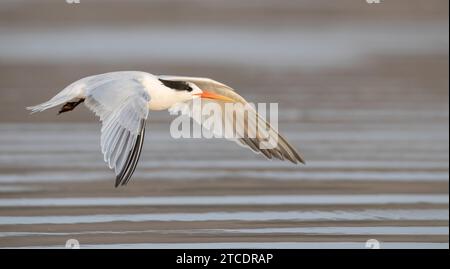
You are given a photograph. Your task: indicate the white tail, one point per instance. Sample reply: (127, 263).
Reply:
(74, 90)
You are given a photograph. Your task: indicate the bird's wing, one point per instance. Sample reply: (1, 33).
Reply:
(264, 131)
(205, 84)
(122, 105)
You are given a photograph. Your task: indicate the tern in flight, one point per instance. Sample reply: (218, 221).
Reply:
(122, 100)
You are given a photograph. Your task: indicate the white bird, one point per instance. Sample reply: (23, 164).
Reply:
(122, 101)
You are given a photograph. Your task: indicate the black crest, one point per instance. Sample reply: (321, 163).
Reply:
(176, 85)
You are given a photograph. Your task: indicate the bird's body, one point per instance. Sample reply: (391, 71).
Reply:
(122, 100)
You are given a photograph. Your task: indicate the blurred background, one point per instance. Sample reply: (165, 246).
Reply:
(362, 91)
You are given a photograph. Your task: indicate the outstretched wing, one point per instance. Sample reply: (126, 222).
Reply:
(121, 102)
(253, 121)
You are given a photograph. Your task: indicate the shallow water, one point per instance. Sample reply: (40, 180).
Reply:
(229, 200)
(236, 216)
(269, 245)
(362, 92)
(290, 47)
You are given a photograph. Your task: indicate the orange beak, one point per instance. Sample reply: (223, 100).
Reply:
(210, 95)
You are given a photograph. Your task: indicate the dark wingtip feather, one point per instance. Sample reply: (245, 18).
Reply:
(124, 176)
(302, 161)
(118, 180)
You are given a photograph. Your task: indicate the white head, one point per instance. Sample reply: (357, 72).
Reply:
(177, 90)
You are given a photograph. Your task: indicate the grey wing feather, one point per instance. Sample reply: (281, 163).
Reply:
(283, 150)
(122, 105)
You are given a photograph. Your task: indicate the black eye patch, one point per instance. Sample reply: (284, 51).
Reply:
(176, 85)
